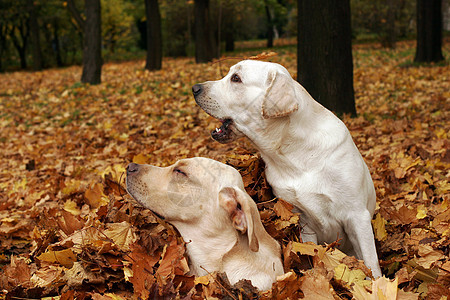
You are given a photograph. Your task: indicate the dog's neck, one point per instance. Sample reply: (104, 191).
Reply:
(206, 247)
(306, 131)
(228, 251)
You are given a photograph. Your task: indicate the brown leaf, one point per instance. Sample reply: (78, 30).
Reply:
(122, 234)
(283, 209)
(173, 260)
(286, 287)
(428, 256)
(79, 275)
(406, 215)
(94, 196)
(17, 273)
(142, 264)
(316, 284)
(263, 55)
(69, 223)
(437, 291)
(48, 277)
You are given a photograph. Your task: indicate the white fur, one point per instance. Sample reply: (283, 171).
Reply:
(311, 160)
(217, 219)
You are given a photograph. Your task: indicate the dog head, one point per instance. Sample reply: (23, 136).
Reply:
(250, 94)
(197, 192)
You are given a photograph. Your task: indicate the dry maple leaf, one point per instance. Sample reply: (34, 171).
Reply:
(263, 55)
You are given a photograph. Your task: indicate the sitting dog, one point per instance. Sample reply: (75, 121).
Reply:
(206, 201)
(311, 160)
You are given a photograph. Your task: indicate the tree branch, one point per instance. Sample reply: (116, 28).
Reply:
(76, 14)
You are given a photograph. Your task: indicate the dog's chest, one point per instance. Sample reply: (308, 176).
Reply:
(305, 193)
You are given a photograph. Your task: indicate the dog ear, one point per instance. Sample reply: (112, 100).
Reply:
(279, 100)
(238, 205)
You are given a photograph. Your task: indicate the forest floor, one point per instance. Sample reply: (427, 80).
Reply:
(69, 230)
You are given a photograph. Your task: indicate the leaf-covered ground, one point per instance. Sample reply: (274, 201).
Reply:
(68, 229)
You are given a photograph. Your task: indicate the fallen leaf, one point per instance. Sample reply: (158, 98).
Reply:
(65, 257)
(379, 227)
(94, 196)
(122, 234)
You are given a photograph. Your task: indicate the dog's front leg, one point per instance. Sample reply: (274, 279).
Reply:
(359, 231)
(306, 233)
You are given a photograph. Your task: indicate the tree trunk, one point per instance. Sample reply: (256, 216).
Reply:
(205, 46)
(75, 14)
(35, 39)
(389, 36)
(92, 53)
(269, 26)
(154, 37)
(21, 46)
(325, 66)
(228, 26)
(3, 35)
(55, 44)
(229, 41)
(429, 31)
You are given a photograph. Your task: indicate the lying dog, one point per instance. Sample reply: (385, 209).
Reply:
(310, 156)
(206, 201)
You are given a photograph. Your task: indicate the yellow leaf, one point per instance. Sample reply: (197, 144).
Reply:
(64, 257)
(360, 293)
(71, 187)
(128, 273)
(441, 133)
(123, 137)
(140, 159)
(116, 171)
(114, 296)
(18, 185)
(71, 206)
(202, 280)
(379, 227)
(333, 258)
(384, 289)
(308, 249)
(342, 272)
(107, 125)
(421, 211)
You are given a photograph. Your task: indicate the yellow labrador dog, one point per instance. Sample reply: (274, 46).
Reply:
(311, 160)
(206, 201)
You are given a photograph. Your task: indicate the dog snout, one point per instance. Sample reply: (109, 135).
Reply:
(132, 169)
(197, 89)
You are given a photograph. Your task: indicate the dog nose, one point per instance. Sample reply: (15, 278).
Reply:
(196, 89)
(132, 168)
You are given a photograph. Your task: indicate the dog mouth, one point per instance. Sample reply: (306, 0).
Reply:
(224, 133)
(140, 203)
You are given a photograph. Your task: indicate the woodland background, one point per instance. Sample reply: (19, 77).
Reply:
(68, 228)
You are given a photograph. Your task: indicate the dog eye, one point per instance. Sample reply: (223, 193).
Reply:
(178, 171)
(236, 78)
